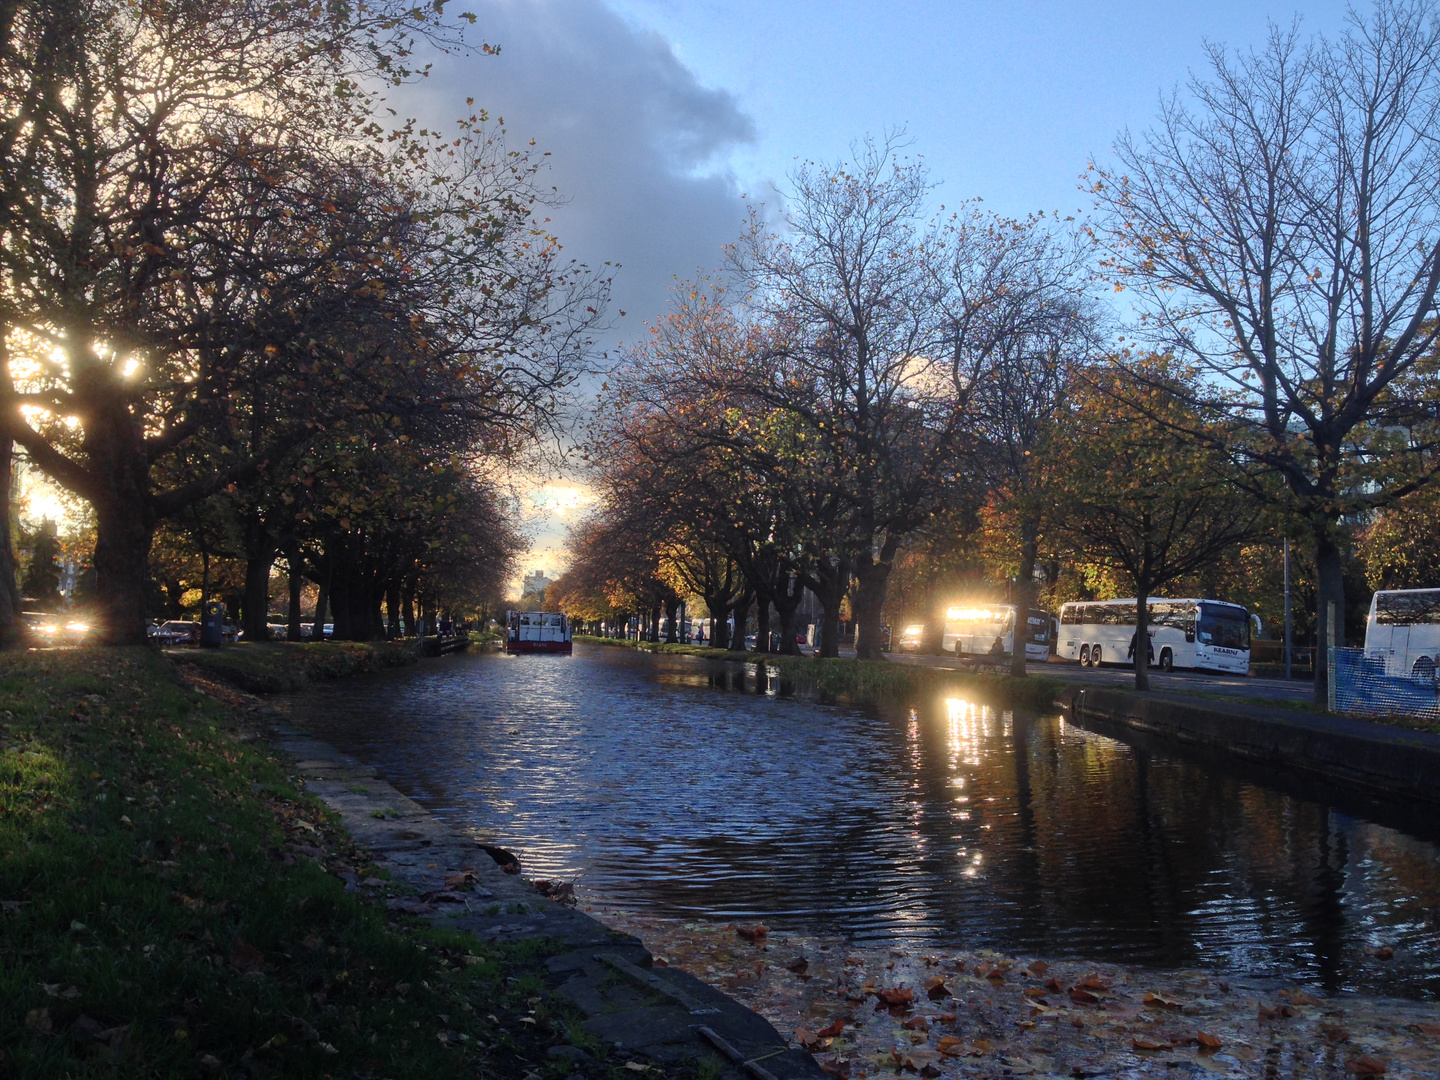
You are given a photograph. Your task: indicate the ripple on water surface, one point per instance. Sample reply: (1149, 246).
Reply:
(682, 787)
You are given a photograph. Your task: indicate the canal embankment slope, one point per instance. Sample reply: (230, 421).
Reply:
(1396, 762)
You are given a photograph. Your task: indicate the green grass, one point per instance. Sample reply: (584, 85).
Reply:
(159, 919)
(875, 680)
(276, 667)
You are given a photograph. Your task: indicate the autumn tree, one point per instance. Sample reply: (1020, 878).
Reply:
(1135, 494)
(205, 230)
(1279, 230)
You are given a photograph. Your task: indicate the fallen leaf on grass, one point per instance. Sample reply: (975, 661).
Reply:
(244, 957)
(1426, 1029)
(1038, 968)
(1094, 982)
(1279, 1012)
(936, 988)
(752, 933)
(1208, 1041)
(916, 1023)
(1083, 997)
(799, 965)
(1332, 1034)
(1160, 1001)
(807, 1038)
(464, 879)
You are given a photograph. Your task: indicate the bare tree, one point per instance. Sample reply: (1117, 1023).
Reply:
(1281, 231)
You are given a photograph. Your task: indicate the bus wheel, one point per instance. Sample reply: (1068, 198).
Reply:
(1084, 655)
(1095, 655)
(1167, 660)
(1424, 669)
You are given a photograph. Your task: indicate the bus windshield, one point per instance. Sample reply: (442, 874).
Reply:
(1226, 627)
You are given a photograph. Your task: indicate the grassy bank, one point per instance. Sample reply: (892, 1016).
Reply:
(877, 680)
(169, 904)
(276, 667)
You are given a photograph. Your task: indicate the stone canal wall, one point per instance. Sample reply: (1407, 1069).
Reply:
(1394, 762)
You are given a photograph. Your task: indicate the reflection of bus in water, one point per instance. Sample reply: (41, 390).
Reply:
(989, 630)
(1204, 634)
(1403, 630)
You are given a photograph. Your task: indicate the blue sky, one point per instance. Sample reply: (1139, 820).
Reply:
(659, 115)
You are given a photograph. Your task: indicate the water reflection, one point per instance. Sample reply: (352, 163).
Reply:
(708, 790)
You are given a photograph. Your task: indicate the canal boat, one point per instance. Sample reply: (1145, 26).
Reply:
(537, 632)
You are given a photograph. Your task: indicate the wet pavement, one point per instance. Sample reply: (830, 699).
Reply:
(682, 789)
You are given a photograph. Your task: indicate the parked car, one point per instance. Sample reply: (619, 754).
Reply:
(176, 632)
(912, 637)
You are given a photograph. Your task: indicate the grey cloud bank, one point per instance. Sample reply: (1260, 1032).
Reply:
(637, 146)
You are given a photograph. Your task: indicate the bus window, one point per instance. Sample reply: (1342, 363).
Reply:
(1225, 627)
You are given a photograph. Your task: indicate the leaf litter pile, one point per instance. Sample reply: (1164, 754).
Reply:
(867, 1011)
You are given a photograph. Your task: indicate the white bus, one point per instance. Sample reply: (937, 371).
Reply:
(1204, 634)
(1403, 630)
(989, 630)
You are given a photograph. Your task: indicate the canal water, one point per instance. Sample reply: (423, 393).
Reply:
(708, 791)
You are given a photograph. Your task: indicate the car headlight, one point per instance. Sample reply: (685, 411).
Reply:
(49, 628)
(77, 627)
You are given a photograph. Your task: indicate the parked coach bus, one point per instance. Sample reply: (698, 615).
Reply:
(1205, 634)
(1403, 629)
(990, 630)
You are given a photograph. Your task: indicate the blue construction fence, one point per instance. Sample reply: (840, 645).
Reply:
(1365, 686)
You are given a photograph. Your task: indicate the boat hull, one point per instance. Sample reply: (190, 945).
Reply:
(521, 647)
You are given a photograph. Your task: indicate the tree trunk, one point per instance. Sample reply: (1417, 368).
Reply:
(295, 580)
(427, 616)
(260, 551)
(322, 601)
(762, 621)
(114, 443)
(1024, 597)
(872, 580)
(392, 609)
(672, 614)
(787, 601)
(1330, 589)
(407, 606)
(719, 612)
(1142, 638)
(124, 528)
(654, 634)
(11, 627)
(831, 581)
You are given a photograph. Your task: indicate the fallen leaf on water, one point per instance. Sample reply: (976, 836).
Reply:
(952, 1047)
(1385, 952)
(1083, 997)
(914, 1058)
(1366, 1065)
(936, 988)
(1160, 1001)
(834, 1029)
(1279, 1012)
(1094, 982)
(1038, 968)
(1332, 1034)
(917, 1023)
(899, 995)
(1142, 1043)
(1426, 1029)
(799, 965)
